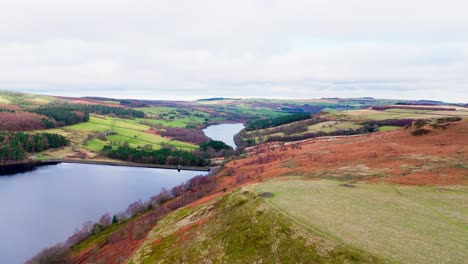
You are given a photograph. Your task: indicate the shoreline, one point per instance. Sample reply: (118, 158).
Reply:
(127, 164)
(22, 167)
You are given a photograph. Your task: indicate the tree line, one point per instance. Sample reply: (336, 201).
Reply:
(69, 114)
(15, 145)
(276, 121)
(164, 156)
(64, 115)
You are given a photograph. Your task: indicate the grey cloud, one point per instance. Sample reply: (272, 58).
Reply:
(191, 49)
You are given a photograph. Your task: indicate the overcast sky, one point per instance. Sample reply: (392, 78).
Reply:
(409, 49)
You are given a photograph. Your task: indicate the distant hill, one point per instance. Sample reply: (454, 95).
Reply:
(217, 99)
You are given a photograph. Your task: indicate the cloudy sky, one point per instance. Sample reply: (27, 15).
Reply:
(410, 49)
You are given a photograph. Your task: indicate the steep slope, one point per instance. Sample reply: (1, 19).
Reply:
(239, 228)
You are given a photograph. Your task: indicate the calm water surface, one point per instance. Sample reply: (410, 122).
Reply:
(224, 132)
(43, 207)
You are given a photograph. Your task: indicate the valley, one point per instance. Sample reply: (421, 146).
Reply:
(330, 180)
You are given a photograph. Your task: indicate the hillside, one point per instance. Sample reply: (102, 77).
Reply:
(384, 197)
(239, 228)
(94, 124)
(330, 122)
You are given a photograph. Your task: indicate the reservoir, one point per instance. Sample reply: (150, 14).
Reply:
(44, 206)
(224, 132)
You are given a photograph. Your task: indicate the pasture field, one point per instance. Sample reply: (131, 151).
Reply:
(179, 122)
(24, 99)
(127, 131)
(332, 126)
(4, 99)
(264, 112)
(172, 116)
(401, 223)
(370, 114)
(246, 107)
(387, 128)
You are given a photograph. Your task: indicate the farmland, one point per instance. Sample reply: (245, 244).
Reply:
(84, 134)
(174, 117)
(370, 114)
(330, 126)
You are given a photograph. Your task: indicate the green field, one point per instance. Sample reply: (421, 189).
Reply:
(4, 99)
(402, 223)
(24, 99)
(263, 112)
(369, 114)
(172, 116)
(332, 126)
(388, 128)
(127, 131)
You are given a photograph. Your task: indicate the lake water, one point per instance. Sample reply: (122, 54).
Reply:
(44, 206)
(224, 132)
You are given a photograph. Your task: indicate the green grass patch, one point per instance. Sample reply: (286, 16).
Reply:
(24, 99)
(127, 131)
(172, 116)
(403, 223)
(388, 128)
(368, 114)
(180, 122)
(332, 126)
(4, 100)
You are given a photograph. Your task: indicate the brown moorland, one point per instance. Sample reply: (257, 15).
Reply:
(437, 158)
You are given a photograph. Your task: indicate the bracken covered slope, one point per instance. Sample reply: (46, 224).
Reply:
(438, 158)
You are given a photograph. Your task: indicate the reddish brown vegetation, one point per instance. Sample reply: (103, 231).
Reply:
(10, 107)
(120, 245)
(444, 177)
(86, 101)
(394, 156)
(21, 121)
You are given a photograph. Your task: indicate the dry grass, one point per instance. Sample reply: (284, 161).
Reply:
(369, 114)
(403, 223)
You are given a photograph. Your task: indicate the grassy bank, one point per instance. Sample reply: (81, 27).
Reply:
(239, 228)
(403, 223)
